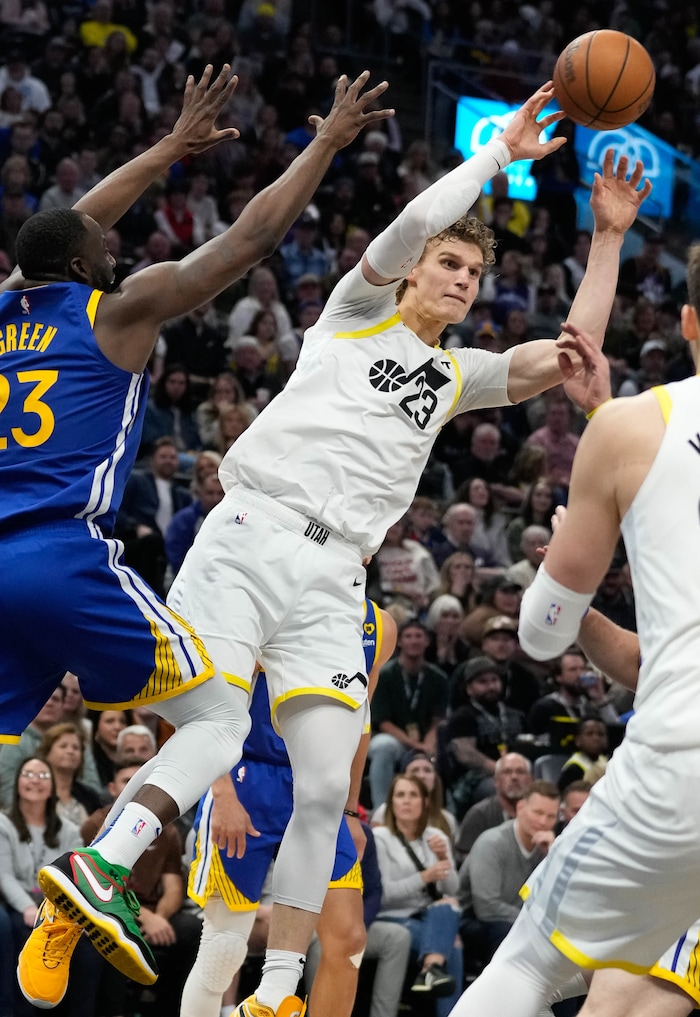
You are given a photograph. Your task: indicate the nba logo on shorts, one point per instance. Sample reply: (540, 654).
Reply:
(552, 614)
(138, 827)
(240, 774)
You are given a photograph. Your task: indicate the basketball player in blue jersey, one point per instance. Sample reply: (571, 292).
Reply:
(315, 482)
(72, 397)
(258, 795)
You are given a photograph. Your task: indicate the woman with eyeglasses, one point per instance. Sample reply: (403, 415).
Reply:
(31, 835)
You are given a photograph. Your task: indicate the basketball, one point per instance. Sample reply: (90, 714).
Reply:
(604, 80)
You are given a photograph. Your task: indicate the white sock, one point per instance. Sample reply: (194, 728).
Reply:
(129, 835)
(281, 974)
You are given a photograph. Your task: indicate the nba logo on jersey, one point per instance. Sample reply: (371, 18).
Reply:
(240, 517)
(552, 614)
(25, 305)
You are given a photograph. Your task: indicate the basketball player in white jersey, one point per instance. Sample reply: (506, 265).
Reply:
(315, 482)
(616, 889)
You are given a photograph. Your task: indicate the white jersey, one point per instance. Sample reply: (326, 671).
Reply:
(662, 538)
(347, 440)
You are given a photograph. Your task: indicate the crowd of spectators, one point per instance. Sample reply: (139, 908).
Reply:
(84, 87)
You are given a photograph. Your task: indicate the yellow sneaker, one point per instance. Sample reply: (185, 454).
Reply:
(291, 1006)
(42, 971)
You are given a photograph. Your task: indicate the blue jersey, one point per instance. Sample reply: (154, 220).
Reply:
(263, 743)
(70, 420)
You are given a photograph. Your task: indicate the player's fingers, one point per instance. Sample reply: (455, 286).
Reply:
(622, 166)
(203, 82)
(189, 89)
(552, 146)
(551, 118)
(637, 173)
(227, 134)
(341, 87)
(358, 84)
(645, 191)
(368, 97)
(608, 162)
(379, 114)
(229, 87)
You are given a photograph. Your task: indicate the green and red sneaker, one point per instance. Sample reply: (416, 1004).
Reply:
(92, 893)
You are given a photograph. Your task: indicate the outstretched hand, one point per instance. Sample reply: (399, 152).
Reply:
(352, 110)
(615, 198)
(522, 135)
(201, 106)
(586, 375)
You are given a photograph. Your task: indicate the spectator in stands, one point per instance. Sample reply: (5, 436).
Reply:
(558, 440)
(12, 755)
(653, 364)
(501, 860)
(443, 620)
(63, 747)
(15, 72)
(553, 718)
(169, 412)
(572, 798)
(31, 834)
(645, 273)
(500, 642)
(525, 568)
(302, 255)
(263, 327)
(96, 29)
(478, 733)
(457, 574)
(233, 421)
(185, 524)
(512, 776)
(263, 293)
(409, 703)
(537, 509)
(591, 747)
(497, 596)
(614, 597)
(575, 263)
(106, 726)
(457, 534)
(406, 568)
(418, 879)
(308, 313)
(151, 499)
(137, 741)
(197, 345)
(66, 191)
(417, 763)
(225, 391)
(158, 249)
(489, 539)
(174, 218)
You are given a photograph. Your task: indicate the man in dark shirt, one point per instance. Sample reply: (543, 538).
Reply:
(409, 703)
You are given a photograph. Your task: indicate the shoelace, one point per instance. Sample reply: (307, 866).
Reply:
(60, 936)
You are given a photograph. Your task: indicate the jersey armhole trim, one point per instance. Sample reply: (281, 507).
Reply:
(91, 307)
(458, 379)
(364, 333)
(664, 400)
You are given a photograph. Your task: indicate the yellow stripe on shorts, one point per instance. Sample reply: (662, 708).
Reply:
(352, 880)
(217, 882)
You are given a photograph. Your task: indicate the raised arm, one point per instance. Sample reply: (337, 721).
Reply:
(615, 201)
(165, 291)
(194, 132)
(395, 251)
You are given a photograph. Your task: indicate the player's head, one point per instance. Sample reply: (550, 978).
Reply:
(445, 282)
(690, 315)
(62, 245)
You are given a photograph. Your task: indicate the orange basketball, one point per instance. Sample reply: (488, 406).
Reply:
(604, 80)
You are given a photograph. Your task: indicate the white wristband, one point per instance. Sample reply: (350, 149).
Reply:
(550, 616)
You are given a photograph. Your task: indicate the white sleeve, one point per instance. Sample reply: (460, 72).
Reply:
(550, 616)
(394, 252)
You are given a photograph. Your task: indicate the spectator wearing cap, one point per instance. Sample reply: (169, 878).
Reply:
(408, 705)
(374, 200)
(302, 255)
(615, 597)
(478, 734)
(500, 643)
(512, 776)
(498, 596)
(653, 362)
(15, 72)
(524, 570)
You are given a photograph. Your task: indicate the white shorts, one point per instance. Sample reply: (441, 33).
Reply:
(618, 884)
(262, 582)
(681, 963)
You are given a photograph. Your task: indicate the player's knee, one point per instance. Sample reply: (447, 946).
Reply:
(346, 940)
(221, 954)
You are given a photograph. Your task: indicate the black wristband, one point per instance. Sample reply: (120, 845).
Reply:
(351, 813)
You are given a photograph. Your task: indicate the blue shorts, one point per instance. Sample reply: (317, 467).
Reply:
(265, 791)
(68, 603)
